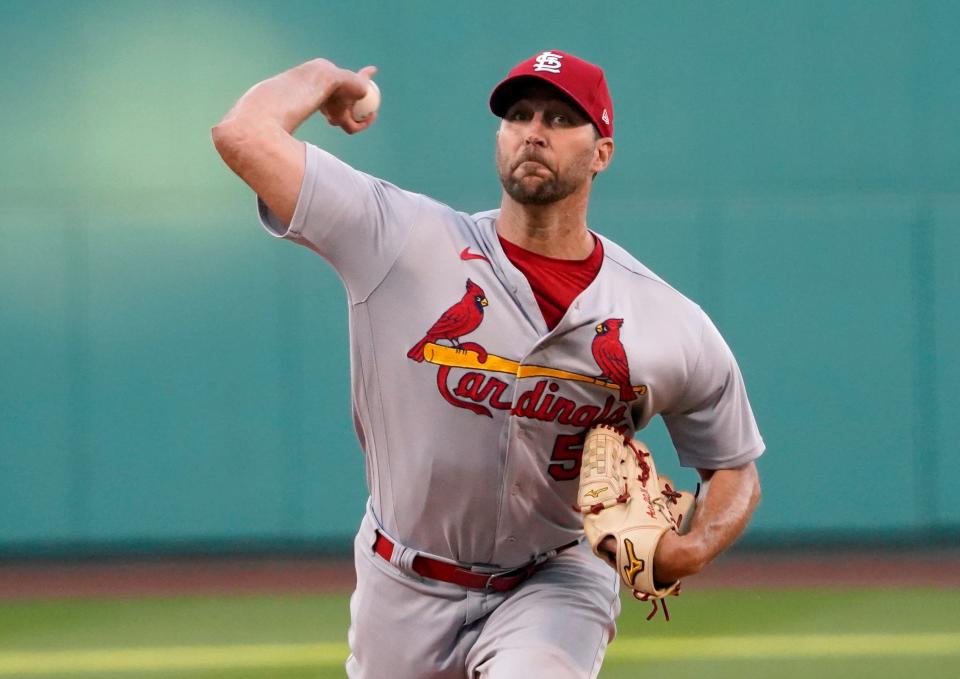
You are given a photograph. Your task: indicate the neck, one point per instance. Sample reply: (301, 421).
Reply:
(557, 230)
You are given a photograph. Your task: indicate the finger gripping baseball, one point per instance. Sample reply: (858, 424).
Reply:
(622, 497)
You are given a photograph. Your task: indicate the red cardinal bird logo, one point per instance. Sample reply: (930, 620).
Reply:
(461, 319)
(609, 354)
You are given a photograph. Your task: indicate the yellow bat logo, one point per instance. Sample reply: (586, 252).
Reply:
(636, 566)
(596, 492)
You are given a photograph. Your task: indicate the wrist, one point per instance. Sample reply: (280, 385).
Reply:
(695, 553)
(296, 94)
(319, 76)
(677, 556)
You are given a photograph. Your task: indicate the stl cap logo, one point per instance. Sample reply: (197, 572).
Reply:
(548, 61)
(605, 118)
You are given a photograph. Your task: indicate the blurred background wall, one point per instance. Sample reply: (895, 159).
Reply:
(172, 378)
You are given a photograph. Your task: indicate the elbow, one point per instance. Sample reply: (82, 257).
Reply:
(236, 140)
(226, 136)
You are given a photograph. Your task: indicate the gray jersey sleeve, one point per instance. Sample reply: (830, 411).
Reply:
(356, 222)
(712, 425)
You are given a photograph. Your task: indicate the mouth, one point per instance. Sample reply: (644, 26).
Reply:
(531, 166)
(533, 159)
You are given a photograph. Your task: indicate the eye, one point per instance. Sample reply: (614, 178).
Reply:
(559, 119)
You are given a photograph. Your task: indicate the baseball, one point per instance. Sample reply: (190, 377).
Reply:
(363, 108)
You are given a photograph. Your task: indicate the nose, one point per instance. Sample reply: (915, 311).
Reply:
(534, 139)
(534, 135)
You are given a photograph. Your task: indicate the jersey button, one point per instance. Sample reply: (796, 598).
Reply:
(511, 538)
(515, 489)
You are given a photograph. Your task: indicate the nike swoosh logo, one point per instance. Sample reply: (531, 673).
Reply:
(466, 255)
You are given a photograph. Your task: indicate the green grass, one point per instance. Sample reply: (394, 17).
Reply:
(783, 634)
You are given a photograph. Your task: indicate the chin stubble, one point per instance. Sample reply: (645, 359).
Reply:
(543, 193)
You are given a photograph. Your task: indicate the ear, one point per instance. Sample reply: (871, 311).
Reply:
(603, 154)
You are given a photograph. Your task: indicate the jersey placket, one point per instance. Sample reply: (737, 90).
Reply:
(518, 437)
(511, 439)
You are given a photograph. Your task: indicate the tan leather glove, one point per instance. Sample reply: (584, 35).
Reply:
(622, 497)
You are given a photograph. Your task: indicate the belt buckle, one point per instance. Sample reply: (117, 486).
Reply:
(519, 571)
(488, 585)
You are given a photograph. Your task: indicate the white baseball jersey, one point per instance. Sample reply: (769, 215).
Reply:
(470, 412)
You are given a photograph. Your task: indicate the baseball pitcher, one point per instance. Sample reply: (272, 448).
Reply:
(502, 363)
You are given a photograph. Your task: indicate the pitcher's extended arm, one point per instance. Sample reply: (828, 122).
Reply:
(255, 137)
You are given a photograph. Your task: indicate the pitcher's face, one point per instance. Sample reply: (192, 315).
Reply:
(546, 147)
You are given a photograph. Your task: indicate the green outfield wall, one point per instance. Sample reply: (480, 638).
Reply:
(171, 376)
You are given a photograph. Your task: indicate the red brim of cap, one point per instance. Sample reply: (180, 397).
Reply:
(503, 95)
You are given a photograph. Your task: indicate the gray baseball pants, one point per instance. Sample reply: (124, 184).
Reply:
(556, 624)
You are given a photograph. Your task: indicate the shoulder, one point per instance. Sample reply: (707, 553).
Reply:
(328, 169)
(486, 215)
(434, 219)
(628, 263)
(641, 279)
(436, 215)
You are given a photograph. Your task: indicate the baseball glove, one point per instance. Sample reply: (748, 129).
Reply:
(622, 497)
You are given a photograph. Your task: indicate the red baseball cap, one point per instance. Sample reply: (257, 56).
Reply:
(578, 79)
